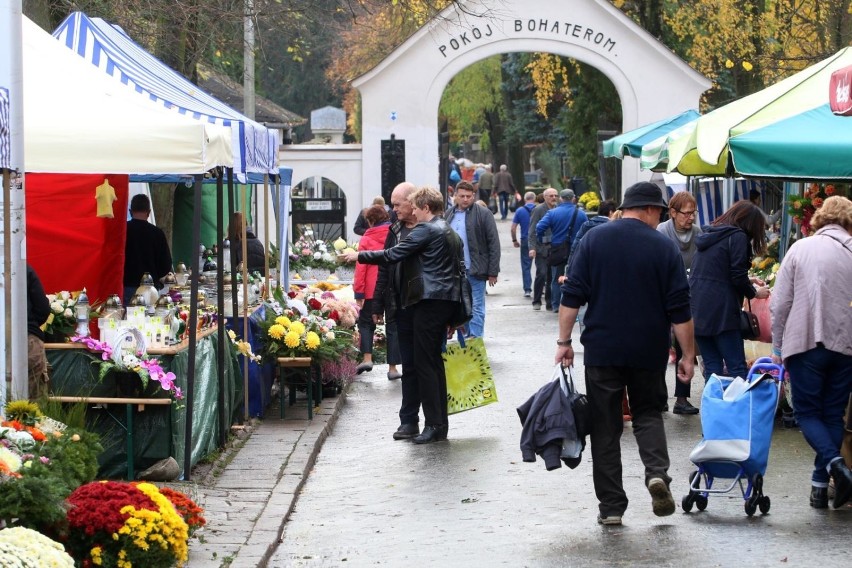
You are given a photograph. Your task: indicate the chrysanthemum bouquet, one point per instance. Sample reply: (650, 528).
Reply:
(308, 327)
(125, 524)
(308, 252)
(590, 201)
(147, 369)
(23, 547)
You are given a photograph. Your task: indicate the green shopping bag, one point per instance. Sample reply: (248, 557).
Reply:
(470, 383)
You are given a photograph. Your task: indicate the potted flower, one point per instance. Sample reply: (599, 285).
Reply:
(131, 370)
(311, 259)
(125, 524)
(61, 322)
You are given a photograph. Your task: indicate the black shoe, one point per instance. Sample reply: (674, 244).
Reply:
(406, 431)
(819, 497)
(842, 476)
(684, 408)
(548, 307)
(429, 434)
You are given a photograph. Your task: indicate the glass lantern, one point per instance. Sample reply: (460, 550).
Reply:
(81, 311)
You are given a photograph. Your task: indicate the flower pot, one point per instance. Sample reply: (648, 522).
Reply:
(345, 272)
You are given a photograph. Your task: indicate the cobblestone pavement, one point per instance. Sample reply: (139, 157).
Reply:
(471, 501)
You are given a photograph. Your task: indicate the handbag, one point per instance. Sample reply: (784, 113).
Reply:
(749, 325)
(464, 310)
(579, 404)
(470, 382)
(492, 204)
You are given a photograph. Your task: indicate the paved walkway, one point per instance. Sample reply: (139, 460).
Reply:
(247, 504)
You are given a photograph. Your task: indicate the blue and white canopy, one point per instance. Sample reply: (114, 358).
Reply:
(106, 46)
(5, 135)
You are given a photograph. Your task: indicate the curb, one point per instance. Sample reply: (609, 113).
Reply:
(268, 529)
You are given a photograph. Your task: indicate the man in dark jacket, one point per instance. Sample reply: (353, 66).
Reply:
(38, 309)
(620, 267)
(564, 222)
(540, 250)
(430, 258)
(478, 231)
(146, 248)
(399, 322)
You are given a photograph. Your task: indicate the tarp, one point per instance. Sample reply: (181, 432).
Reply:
(255, 147)
(68, 245)
(630, 143)
(704, 149)
(76, 120)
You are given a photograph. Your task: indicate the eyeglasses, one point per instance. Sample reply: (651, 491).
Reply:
(686, 213)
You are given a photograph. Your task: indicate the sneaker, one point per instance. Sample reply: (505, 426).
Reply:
(527, 294)
(685, 408)
(610, 521)
(536, 307)
(661, 498)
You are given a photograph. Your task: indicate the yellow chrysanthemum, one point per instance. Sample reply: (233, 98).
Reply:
(298, 327)
(292, 339)
(312, 340)
(232, 335)
(277, 331)
(95, 553)
(776, 267)
(747, 66)
(282, 320)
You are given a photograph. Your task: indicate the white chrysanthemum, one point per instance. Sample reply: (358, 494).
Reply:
(56, 307)
(10, 459)
(329, 336)
(317, 255)
(130, 360)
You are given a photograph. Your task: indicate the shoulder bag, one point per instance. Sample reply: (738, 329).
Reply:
(749, 324)
(559, 253)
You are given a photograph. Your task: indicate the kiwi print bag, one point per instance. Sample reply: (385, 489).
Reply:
(470, 383)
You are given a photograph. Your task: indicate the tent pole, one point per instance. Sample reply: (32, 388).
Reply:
(266, 235)
(244, 314)
(233, 268)
(193, 327)
(220, 307)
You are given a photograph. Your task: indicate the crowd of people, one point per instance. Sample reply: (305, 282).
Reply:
(685, 286)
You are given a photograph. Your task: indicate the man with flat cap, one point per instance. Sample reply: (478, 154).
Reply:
(632, 279)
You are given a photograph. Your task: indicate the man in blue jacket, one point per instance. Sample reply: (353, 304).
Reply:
(633, 280)
(564, 222)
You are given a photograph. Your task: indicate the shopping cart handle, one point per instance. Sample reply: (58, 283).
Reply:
(765, 365)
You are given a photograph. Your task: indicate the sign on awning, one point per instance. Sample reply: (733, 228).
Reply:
(840, 94)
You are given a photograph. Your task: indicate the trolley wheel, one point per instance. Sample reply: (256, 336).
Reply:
(701, 502)
(687, 502)
(757, 485)
(750, 506)
(692, 477)
(764, 504)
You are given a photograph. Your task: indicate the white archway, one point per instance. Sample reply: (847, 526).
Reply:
(401, 95)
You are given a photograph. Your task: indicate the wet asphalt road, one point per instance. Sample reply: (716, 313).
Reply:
(472, 501)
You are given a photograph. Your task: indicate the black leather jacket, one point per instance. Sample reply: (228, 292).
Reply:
(430, 259)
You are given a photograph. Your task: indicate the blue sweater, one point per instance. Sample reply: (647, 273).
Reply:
(558, 220)
(633, 280)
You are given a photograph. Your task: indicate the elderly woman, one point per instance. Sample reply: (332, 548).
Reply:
(719, 280)
(812, 294)
(431, 288)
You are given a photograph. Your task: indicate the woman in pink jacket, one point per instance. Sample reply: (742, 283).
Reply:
(812, 332)
(365, 282)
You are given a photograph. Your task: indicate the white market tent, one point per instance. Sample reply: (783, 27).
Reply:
(79, 121)
(115, 54)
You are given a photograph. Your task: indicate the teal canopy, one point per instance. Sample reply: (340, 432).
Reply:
(814, 144)
(630, 143)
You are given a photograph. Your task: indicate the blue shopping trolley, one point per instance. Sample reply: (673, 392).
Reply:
(737, 416)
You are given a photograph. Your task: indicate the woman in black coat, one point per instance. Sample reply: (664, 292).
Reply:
(255, 253)
(718, 283)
